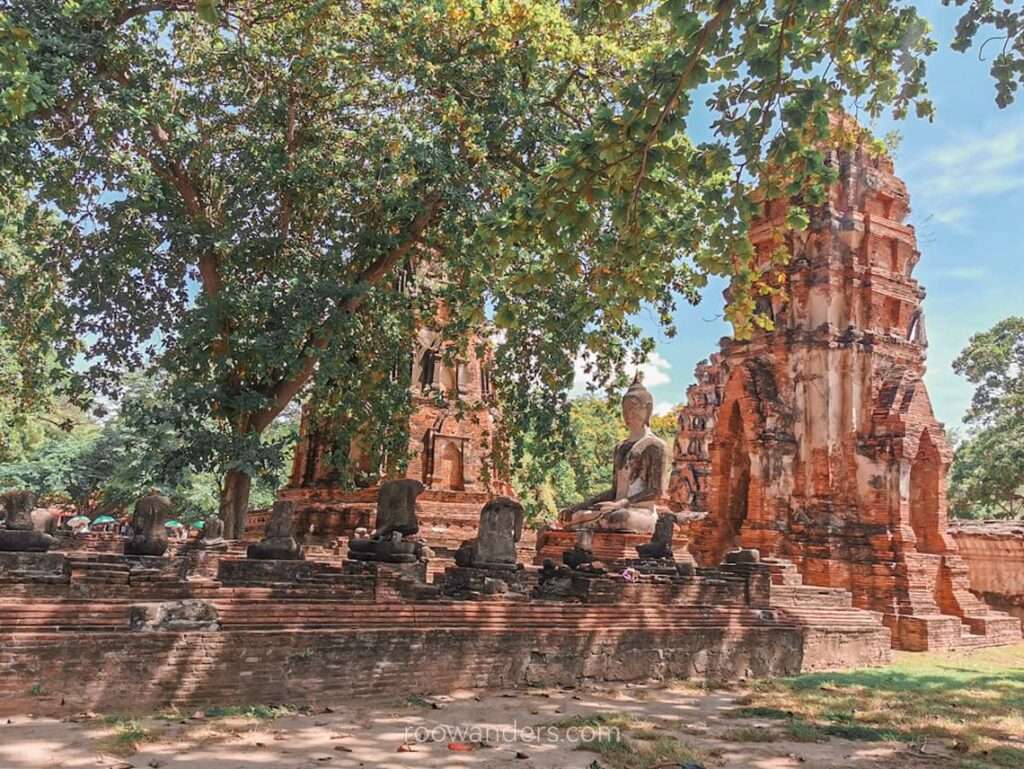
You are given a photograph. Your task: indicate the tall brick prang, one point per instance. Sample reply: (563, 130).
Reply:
(815, 441)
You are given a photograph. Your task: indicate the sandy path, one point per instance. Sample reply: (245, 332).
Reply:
(369, 736)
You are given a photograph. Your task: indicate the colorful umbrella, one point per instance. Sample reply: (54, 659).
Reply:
(174, 525)
(78, 520)
(103, 519)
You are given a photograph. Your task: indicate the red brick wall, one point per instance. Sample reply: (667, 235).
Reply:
(135, 672)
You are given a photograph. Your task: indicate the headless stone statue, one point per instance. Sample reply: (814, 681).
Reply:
(396, 507)
(501, 527)
(148, 524)
(660, 545)
(20, 534)
(278, 543)
(396, 520)
(640, 475)
(213, 535)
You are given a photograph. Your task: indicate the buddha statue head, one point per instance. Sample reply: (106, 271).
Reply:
(637, 405)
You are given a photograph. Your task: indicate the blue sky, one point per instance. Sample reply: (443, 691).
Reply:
(965, 175)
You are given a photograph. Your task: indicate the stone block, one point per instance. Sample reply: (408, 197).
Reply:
(28, 566)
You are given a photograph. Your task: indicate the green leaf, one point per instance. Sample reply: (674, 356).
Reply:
(208, 11)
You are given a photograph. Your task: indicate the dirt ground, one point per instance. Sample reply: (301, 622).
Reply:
(534, 729)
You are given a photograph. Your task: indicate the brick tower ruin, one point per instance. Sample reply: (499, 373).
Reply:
(454, 446)
(815, 442)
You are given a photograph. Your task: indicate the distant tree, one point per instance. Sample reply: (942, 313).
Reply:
(50, 464)
(987, 477)
(584, 467)
(106, 467)
(665, 426)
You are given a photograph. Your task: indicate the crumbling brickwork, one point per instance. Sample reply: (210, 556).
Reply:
(816, 441)
(106, 632)
(454, 449)
(695, 425)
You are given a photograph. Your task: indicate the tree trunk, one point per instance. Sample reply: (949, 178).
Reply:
(234, 503)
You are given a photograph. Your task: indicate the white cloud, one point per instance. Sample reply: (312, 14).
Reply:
(951, 177)
(965, 273)
(951, 216)
(663, 407)
(655, 372)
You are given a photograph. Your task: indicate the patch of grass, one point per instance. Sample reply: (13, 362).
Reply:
(257, 712)
(37, 690)
(611, 720)
(1011, 758)
(975, 699)
(867, 733)
(799, 730)
(749, 734)
(625, 753)
(606, 746)
(758, 711)
(128, 734)
(417, 701)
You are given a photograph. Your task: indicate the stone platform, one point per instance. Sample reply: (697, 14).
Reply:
(119, 634)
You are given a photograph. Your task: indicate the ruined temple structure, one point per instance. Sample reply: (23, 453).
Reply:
(453, 451)
(691, 461)
(815, 443)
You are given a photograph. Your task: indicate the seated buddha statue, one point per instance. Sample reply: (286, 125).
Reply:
(640, 478)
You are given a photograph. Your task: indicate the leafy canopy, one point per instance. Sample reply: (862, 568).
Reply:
(106, 467)
(236, 187)
(987, 477)
(582, 470)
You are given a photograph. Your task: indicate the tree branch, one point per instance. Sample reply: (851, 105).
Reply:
(285, 390)
(709, 29)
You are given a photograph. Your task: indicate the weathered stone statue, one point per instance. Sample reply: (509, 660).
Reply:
(278, 543)
(396, 507)
(660, 546)
(640, 475)
(20, 533)
(396, 520)
(148, 524)
(501, 527)
(213, 535)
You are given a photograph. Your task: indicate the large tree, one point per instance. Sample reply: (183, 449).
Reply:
(32, 319)
(240, 184)
(987, 477)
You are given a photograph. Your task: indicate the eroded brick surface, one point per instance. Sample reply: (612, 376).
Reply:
(454, 447)
(115, 633)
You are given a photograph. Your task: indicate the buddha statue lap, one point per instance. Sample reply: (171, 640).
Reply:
(494, 547)
(640, 476)
(660, 546)
(278, 543)
(212, 538)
